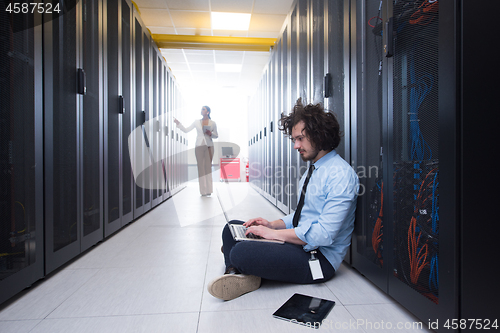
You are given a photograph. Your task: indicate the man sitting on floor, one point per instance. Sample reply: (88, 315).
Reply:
(321, 226)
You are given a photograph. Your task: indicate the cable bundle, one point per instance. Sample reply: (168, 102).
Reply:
(420, 88)
(377, 235)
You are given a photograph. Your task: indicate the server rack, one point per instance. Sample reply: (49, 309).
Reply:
(368, 83)
(401, 76)
(66, 116)
(21, 153)
(293, 87)
(62, 133)
(153, 137)
(92, 120)
(143, 112)
(409, 237)
(118, 116)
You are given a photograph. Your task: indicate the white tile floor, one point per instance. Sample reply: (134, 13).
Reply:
(152, 277)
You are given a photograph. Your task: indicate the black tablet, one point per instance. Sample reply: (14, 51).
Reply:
(305, 310)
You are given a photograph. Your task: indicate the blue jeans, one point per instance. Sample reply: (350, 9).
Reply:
(279, 262)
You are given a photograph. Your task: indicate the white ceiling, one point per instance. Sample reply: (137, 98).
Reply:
(196, 68)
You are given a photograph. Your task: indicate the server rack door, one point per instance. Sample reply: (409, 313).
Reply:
(147, 127)
(163, 131)
(303, 70)
(139, 145)
(414, 94)
(61, 139)
(21, 153)
(175, 139)
(337, 64)
(286, 147)
(127, 116)
(114, 116)
(293, 85)
(266, 92)
(153, 136)
(317, 63)
(92, 119)
(278, 111)
(169, 134)
(369, 244)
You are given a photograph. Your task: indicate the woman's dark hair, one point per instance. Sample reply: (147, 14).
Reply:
(321, 127)
(208, 109)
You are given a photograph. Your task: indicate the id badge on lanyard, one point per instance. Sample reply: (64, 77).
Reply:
(315, 266)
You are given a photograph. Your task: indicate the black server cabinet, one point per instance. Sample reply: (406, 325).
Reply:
(148, 111)
(369, 242)
(293, 87)
(21, 152)
(171, 134)
(335, 78)
(168, 133)
(279, 151)
(284, 142)
(423, 266)
(404, 104)
(92, 120)
(63, 136)
(303, 79)
(318, 46)
(156, 137)
(163, 131)
(142, 158)
(118, 113)
(153, 138)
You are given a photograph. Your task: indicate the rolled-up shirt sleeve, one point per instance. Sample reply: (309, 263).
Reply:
(322, 220)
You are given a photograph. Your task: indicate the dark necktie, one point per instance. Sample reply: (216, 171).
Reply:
(296, 216)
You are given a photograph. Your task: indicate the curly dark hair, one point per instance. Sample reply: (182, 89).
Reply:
(321, 127)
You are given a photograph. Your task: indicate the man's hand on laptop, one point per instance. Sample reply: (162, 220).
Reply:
(257, 221)
(261, 231)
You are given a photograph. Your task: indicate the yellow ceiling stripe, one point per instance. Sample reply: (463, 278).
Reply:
(213, 42)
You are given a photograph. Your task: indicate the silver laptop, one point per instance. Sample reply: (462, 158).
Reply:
(238, 232)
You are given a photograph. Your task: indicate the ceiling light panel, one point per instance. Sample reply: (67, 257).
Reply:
(230, 21)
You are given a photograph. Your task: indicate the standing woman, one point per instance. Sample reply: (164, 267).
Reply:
(206, 130)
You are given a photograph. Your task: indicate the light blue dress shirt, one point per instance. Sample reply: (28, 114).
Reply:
(327, 218)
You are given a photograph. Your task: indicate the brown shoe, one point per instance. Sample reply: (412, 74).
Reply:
(231, 286)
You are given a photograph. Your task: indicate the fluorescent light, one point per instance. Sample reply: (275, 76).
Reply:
(232, 68)
(230, 21)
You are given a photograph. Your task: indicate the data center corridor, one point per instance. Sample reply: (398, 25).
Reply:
(152, 275)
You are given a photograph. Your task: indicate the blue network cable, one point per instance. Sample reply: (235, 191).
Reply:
(434, 273)
(420, 88)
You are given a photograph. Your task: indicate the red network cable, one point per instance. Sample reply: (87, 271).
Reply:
(377, 231)
(418, 261)
(425, 13)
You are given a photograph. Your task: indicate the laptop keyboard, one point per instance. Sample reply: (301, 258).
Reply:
(241, 233)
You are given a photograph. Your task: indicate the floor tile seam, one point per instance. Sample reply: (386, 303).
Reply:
(18, 320)
(371, 303)
(117, 315)
(273, 309)
(221, 205)
(205, 276)
(97, 270)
